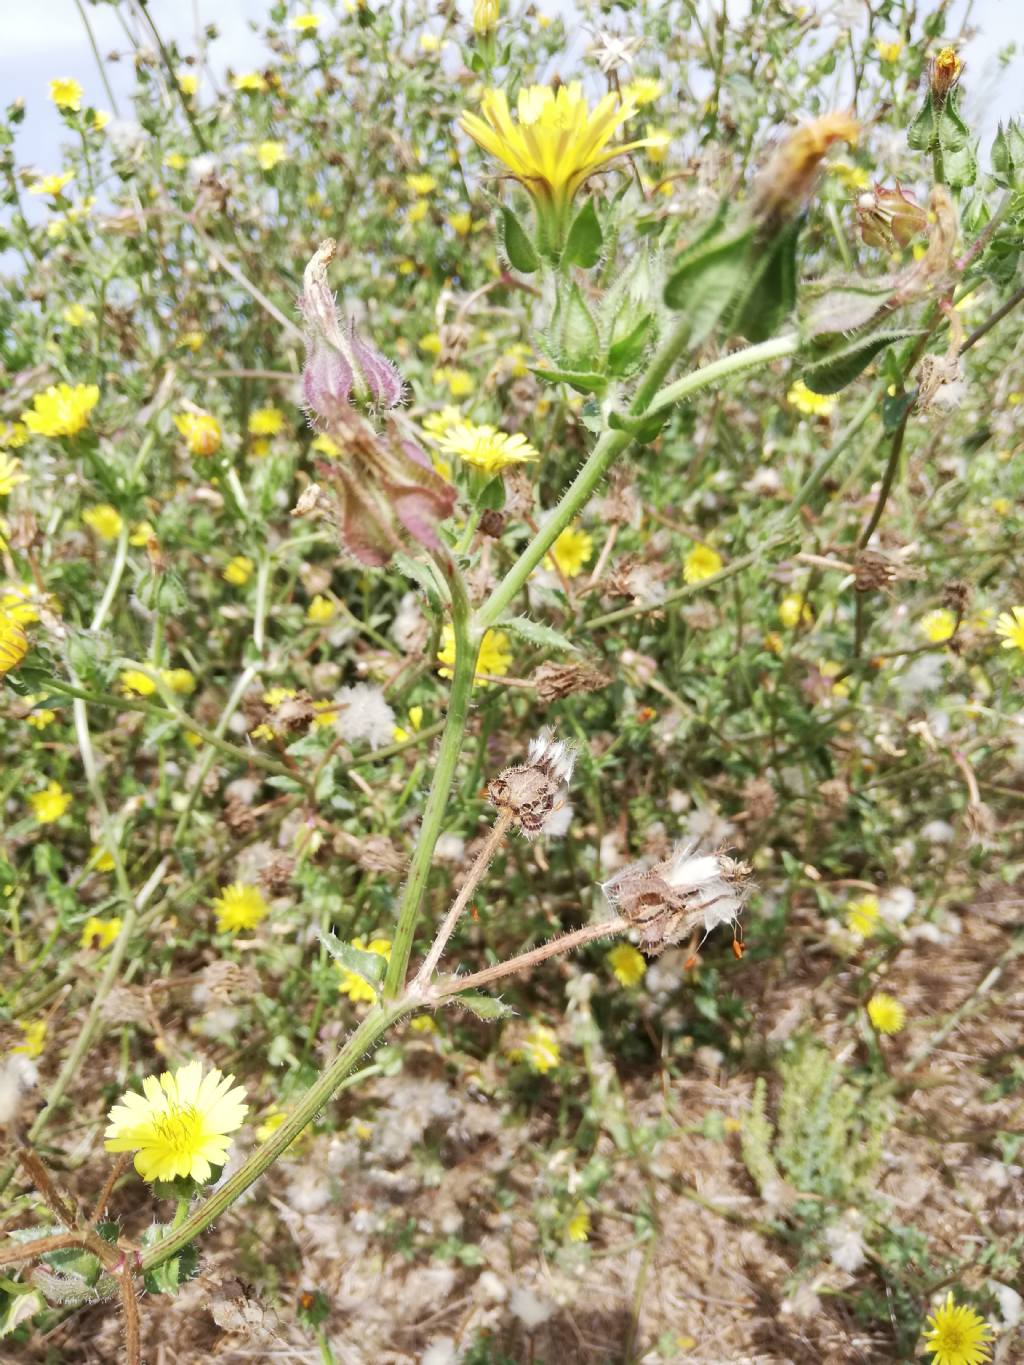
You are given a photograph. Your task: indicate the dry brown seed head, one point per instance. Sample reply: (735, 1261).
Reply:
(873, 571)
(554, 681)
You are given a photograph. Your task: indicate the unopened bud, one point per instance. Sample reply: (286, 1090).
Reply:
(944, 72)
(531, 793)
(485, 17)
(889, 218)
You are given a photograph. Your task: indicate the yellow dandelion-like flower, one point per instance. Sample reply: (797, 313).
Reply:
(49, 804)
(323, 445)
(430, 343)
(179, 680)
(100, 933)
(570, 552)
(627, 964)
(305, 23)
(270, 154)
(351, 983)
(16, 602)
(889, 52)
(422, 182)
(938, 625)
(415, 214)
(886, 1013)
(240, 907)
(539, 1049)
(179, 1125)
(794, 610)
(104, 520)
(1010, 625)
(13, 435)
(438, 424)
(136, 683)
(188, 83)
(78, 315)
(460, 382)
(66, 93)
(101, 859)
(265, 421)
(644, 90)
(35, 1037)
(10, 474)
(956, 1335)
(201, 432)
(274, 696)
(460, 223)
(250, 80)
(52, 185)
(192, 340)
(485, 447)
(142, 533)
(578, 1227)
(862, 916)
(320, 610)
(701, 562)
(62, 410)
(42, 718)
(13, 642)
(238, 571)
(494, 659)
(809, 403)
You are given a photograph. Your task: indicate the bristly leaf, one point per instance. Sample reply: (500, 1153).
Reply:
(706, 282)
(768, 300)
(583, 381)
(483, 1006)
(585, 239)
(370, 967)
(515, 243)
(625, 355)
(538, 634)
(842, 366)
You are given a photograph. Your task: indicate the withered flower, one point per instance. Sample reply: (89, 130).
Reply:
(554, 681)
(788, 178)
(873, 571)
(889, 218)
(944, 72)
(664, 902)
(530, 794)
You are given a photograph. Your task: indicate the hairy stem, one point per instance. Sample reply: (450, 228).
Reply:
(565, 943)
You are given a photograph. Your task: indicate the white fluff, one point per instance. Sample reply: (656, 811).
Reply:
(364, 715)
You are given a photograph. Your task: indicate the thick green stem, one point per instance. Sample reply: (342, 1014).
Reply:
(727, 366)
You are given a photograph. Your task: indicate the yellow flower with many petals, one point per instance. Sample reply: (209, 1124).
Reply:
(539, 1049)
(249, 80)
(421, 183)
(104, 520)
(644, 90)
(494, 658)
(570, 552)
(62, 410)
(179, 680)
(305, 23)
(35, 1037)
(10, 474)
(627, 964)
(1010, 625)
(352, 984)
(808, 402)
(460, 382)
(265, 421)
(862, 916)
(66, 93)
(889, 52)
(201, 432)
(100, 933)
(320, 610)
(42, 717)
(700, 563)
(49, 804)
(485, 447)
(240, 907)
(794, 610)
(956, 1335)
(238, 571)
(938, 626)
(886, 1013)
(270, 154)
(578, 1227)
(323, 445)
(13, 435)
(188, 83)
(13, 642)
(460, 223)
(52, 185)
(430, 342)
(77, 315)
(179, 1125)
(415, 214)
(136, 683)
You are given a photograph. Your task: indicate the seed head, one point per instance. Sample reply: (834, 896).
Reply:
(532, 793)
(688, 890)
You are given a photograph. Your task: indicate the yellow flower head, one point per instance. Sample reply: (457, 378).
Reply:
(794, 610)
(414, 214)
(578, 1227)
(460, 382)
(323, 445)
(250, 80)
(460, 223)
(240, 907)
(35, 1037)
(886, 1013)
(238, 571)
(627, 964)
(188, 83)
(52, 185)
(100, 933)
(539, 1049)
(421, 183)
(270, 154)
(13, 435)
(938, 625)
(304, 23)
(809, 403)
(179, 680)
(265, 421)
(658, 140)
(351, 983)
(485, 447)
(494, 658)
(889, 52)
(430, 42)
(42, 717)
(320, 610)
(13, 642)
(643, 90)
(1010, 625)
(430, 342)
(77, 315)
(62, 410)
(201, 432)
(570, 552)
(10, 474)
(66, 93)
(17, 603)
(104, 520)
(956, 1335)
(49, 804)
(179, 1125)
(701, 562)
(485, 16)
(862, 916)
(136, 683)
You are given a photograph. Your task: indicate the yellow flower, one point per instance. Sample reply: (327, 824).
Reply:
(1002, 507)
(421, 183)
(323, 445)
(460, 382)
(578, 1227)
(700, 563)
(556, 142)
(415, 214)
(658, 140)
(886, 1013)
(431, 343)
(539, 1049)
(179, 680)
(938, 625)
(10, 474)
(627, 964)
(201, 432)
(793, 609)
(485, 447)
(1010, 625)
(179, 1125)
(193, 340)
(351, 983)
(265, 421)
(305, 23)
(249, 80)
(134, 681)
(49, 804)
(862, 916)
(852, 177)
(188, 83)
(956, 1335)
(16, 602)
(429, 42)
(100, 933)
(437, 424)
(238, 571)
(77, 315)
(571, 551)
(104, 520)
(66, 93)
(415, 721)
(274, 696)
(809, 403)
(643, 90)
(320, 610)
(52, 185)
(62, 410)
(44, 717)
(99, 120)
(13, 642)
(35, 1037)
(485, 16)
(240, 907)
(460, 223)
(270, 154)
(175, 161)
(494, 657)
(13, 435)
(142, 533)
(101, 859)
(889, 52)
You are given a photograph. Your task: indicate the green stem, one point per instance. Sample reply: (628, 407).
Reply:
(724, 368)
(113, 579)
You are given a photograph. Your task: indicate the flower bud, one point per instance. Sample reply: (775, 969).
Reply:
(889, 218)
(532, 793)
(485, 16)
(665, 902)
(788, 178)
(944, 72)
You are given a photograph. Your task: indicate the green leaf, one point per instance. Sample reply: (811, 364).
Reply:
(845, 309)
(583, 381)
(537, 634)
(624, 355)
(706, 282)
(921, 135)
(576, 331)
(483, 1006)
(369, 966)
(492, 499)
(643, 428)
(583, 245)
(958, 159)
(771, 295)
(515, 243)
(842, 366)
(422, 573)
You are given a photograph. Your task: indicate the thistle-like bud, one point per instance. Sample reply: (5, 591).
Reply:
(340, 366)
(663, 903)
(944, 72)
(889, 218)
(532, 793)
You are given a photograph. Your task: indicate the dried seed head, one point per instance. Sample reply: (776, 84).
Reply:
(225, 980)
(553, 681)
(956, 595)
(759, 799)
(873, 571)
(276, 875)
(788, 178)
(664, 902)
(532, 793)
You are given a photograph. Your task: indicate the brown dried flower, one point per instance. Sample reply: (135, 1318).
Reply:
(554, 681)
(664, 902)
(531, 793)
